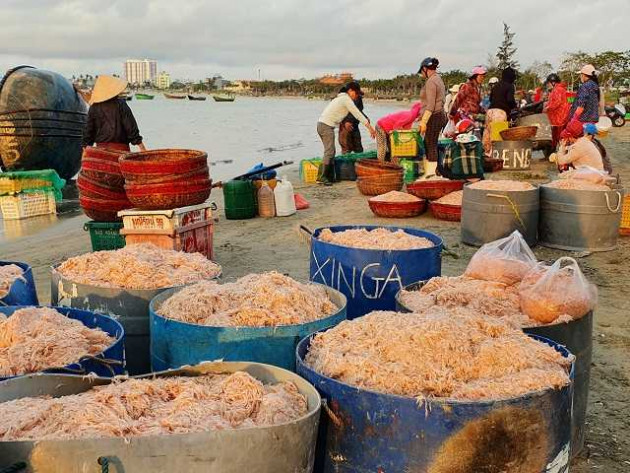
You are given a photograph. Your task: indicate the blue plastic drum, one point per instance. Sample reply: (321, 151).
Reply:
(22, 291)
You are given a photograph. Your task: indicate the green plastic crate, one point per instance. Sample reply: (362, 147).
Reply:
(105, 235)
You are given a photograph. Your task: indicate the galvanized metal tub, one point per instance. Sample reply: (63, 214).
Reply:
(287, 447)
(488, 215)
(577, 337)
(516, 155)
(370, 279)
(130, 307)
(111, 362)
(577, 220)
(367, 431)
(175, 343)
(23, 290)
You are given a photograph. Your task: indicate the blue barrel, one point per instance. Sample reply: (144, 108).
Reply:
(175, 343)
(22, 291)
(367, 431)
(370, 279)
(111, 362)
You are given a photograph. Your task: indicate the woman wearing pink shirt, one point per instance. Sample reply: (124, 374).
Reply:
(395, 121)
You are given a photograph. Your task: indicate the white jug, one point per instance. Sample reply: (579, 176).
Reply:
(285, 203)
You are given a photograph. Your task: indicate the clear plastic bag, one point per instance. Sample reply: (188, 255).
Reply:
(548, 292)
(589, 174)
(507, 260)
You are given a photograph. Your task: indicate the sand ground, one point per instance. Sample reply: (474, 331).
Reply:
(257, 245)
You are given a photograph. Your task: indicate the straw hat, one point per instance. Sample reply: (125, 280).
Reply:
(454, 89)
(107, 87)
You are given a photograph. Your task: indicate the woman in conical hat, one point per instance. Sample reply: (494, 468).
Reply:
(110, 122)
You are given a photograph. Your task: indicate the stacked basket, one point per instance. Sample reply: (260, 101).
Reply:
(376, 178)
(101, 185)
(166, 178)
(433, 189)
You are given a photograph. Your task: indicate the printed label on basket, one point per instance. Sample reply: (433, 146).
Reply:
(371, 280)
(162, 222)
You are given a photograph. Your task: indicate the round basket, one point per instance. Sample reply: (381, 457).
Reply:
(92, 188)
(163, 161)
(492, 165)
(101, 154)
(144, 178)
(377, 185)
(103, 210)
(169, 195)
(432, 190)
(519, 133)
(370, 167)
(452, 213)
(397, 209)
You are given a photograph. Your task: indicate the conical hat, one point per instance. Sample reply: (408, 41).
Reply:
(107, 87)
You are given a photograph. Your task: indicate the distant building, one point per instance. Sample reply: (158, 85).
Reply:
(140, 71)
(337, 79)
(217, 82)
(163, 80)
(239, 86)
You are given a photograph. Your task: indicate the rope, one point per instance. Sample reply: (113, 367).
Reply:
(618, 202)
(19, 466)
(514, 207)
(104, 462)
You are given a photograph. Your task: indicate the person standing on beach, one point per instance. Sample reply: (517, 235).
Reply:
(331, 117)
(433, 117)
(349, 132)
(110, 121)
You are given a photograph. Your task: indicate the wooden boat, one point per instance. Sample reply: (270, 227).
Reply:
(223, 98)
(196, 97)
(175, 96)
(144, 96)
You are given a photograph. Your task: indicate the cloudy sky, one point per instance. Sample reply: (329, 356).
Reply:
(193, 39)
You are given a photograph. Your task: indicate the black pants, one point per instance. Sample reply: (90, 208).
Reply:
(350, 141)
(436, 123)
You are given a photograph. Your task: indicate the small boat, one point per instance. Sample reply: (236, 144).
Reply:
(223, 98)
(126, 97)
(175, 96)
(196, 97)
(144, 96)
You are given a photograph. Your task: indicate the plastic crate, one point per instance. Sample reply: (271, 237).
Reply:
(404, 143)
(19, 181)
(309, 170)
(28, 204)
(624, 226)
(166, 219)
(105, 235)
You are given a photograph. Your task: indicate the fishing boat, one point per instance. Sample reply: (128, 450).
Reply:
(223, 98)
(175, 96)
(196, 97)
(144, 96)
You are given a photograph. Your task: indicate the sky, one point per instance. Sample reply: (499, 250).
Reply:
(291, 39)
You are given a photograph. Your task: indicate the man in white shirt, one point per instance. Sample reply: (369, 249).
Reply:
(331, 117)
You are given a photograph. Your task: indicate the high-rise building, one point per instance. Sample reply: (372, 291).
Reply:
(163, 80)
(140, 71)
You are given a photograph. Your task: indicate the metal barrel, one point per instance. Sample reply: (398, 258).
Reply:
(23, 290)
(175, 343)
(365, 431)
(111, 362)
(540, 120)
(129, 307)
(577, 336)
(288, 447)
(488, 215)
(41, 121)
(516, 155)
(578, 220)
(368, 278)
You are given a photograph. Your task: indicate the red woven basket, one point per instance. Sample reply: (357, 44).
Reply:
(377, 185)
(397, 209)
(103, 154)
(163, 161)
(370, 167)
(91, 188)
(144, 178)
(432, 190)
(168, 195)
(103, 210)
(449, 212)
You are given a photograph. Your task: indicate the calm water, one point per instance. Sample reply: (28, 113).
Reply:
(247, 131)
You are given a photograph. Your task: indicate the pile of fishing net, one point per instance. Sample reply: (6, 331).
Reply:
(577, 184)
(9, 273)
(441, 353)
(452, 198)
(502, 185)
(34, 339)
(143, 266)
(395, 196)
(376, 239)
(161, 406)
(483, 297)
(256, 300)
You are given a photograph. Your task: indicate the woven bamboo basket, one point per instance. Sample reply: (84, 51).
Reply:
(169, 195)
(519, 133)
(377, 185)
(434, 189)
(398, 209)
(163, 161)
(452, 213)
(370, 167)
